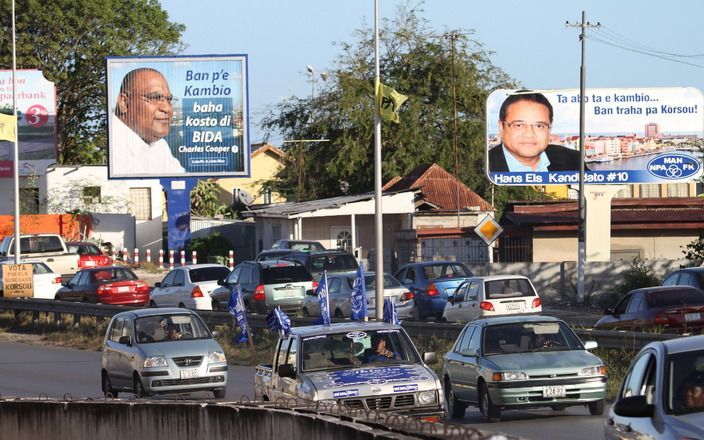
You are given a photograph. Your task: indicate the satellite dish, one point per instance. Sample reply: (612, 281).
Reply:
(243, 197)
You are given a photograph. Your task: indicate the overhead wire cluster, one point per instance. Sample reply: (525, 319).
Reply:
(608, 36)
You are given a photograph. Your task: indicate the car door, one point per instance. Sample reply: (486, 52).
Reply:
(453, 308)
(334, 293)
(117, 355)
(472, 298)
(615, 320)
(640, 381)
(160, 295)
(179, 291)
(68, 291)
(456, 364)
(285, 386)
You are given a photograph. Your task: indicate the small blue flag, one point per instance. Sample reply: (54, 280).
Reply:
(278, 321)
(323, 298)
(235, 305)
(359, 295)
(390, 314)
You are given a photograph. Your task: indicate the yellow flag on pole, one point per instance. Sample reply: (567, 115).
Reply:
(8, 123)
(388, 102)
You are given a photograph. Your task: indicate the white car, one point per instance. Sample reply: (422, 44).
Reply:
(46, 282)
(495, 295)
(188, 286)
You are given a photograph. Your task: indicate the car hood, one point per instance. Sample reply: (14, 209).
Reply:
(373, 380)
(549, 361)
(181, 347)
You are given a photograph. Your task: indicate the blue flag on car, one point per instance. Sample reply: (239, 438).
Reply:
(235, 305)
(278, 321)
(359, 295)
(390, 314)
(323, 298)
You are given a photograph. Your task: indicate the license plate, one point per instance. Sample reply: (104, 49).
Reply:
(89, 263)
(287, 293)
(554, 391)
(692, 316)
(513, 306)
(189, 374)
(122, 289)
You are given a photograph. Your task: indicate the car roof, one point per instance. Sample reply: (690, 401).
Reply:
(689, 269)
(677, 288)
(139, 313)
(680, 345)
(325, 252)
(499, 278)
(510, 319)
(432, 263)
(311, 330)
(272, 263)
(102, 268)
(201, 266)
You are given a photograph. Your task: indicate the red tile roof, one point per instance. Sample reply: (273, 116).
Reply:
(439, 188)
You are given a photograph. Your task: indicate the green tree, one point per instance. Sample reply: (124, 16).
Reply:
(418, 63)
(694, 251)
(205, 202)
(68, 40)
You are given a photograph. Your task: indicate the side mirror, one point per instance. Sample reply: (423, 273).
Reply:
(609, 311)
(469, 352)
(451, 299)
(157, 284)
(287, 370)
(634, 406)
(64, 283)
(125, 340)
(310, 292)
(221, 282)
(590, 345)
(430, 357)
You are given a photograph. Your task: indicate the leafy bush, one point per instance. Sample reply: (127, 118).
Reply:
(214, 245)
(694, 251)
(637, 276)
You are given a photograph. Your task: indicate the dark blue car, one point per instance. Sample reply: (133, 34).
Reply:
(431, 282)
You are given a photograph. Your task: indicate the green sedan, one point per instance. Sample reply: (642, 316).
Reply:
(521, 362)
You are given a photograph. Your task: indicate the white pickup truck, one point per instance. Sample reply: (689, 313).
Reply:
(48, 248)
(344, 364)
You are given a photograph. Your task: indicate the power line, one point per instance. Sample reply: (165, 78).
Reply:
(644, 52)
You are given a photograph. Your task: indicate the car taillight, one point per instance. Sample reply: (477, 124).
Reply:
(103, 290)
(196, 292)
(259, 293)
(57, 280)
(486, 305)
(141, 287)
(537, 302)
(432, 290)
(661, 318)
(407, 296)
(315, 284)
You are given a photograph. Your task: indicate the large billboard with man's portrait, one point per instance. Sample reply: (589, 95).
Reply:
(650, 135)
(183, 116)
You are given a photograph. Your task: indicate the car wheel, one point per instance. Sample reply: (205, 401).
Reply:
(455, 409)
(152, 304)
(557, 407)
(416, 313)
(215, 306)
(108, 391)
(181, 305)
(219, 393)
(490, 412)
(137, 387)
(596, 408)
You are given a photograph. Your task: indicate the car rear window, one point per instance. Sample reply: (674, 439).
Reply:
(674, 298)
(342, 262)
(208, 274)
(285, 274)
(510, 288)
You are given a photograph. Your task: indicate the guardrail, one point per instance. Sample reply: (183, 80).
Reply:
(605, 338)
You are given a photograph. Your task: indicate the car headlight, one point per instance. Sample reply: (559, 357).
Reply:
(216, 357)
(427, 398)
(514, 375)
(155, 361)
(598, 370)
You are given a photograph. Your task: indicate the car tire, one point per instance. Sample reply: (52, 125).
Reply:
(490, 412)
(416, 313)
(181, 306)
(137, 387)
(596, 408)
(219, 393)
(455, 409)
(152, 304)
(215, 306)
(108, 391)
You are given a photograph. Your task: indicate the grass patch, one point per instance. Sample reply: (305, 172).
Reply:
(57, 330)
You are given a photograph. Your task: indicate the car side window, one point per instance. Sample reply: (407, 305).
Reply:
(86, 278)
(334, 286)
(459, 293)
(245, 275)
(620, 308)
(234, 275)
(168, 279)
(287, 352)
(635, 304)
(475, 341)
(75, 279)
(636, 384)
(473, 291)
(466, 337)
(116, 329)
(686, 279)
(179, 278)
(671, 280)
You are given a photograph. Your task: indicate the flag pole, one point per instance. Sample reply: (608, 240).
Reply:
(15, 147)
(378, 216)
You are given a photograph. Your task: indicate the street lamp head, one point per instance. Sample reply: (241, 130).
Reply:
(310, 68)
(324, 75)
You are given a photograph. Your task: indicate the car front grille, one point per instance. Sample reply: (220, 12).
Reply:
(381, 402)
(193, 381)
(188, 361)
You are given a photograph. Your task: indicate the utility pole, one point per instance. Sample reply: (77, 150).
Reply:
(453, 37)
(581, 233)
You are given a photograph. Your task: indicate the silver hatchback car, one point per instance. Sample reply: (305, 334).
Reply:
(161, 351)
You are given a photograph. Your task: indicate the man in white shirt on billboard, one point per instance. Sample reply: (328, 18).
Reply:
(142, 118)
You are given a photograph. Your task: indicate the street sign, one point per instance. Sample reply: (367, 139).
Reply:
(488, 229)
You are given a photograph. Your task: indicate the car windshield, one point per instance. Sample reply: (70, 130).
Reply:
(168, 328)
(434, 271)
(305, 246)
(202, 274)
(370, 281)
(685, 382)
(520, 337)
(674, 298)
(357, 348)
(114, 275)
(285, 273)
(510, 288)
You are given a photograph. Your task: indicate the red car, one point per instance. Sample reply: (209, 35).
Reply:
(107, 285)
(672, 308)
(89, 254)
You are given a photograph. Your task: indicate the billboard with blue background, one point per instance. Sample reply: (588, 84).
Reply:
(648, 135)
(184, 116)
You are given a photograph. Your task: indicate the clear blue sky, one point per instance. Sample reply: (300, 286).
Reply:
(529, 40)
